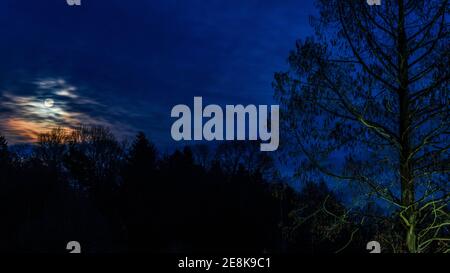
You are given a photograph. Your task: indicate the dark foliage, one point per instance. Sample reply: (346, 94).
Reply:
(85, 186)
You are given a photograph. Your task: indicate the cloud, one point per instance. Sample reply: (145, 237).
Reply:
(131, 62)
(66, 93)
(23, 117)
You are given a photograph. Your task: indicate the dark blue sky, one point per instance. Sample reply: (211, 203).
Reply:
(125, 64)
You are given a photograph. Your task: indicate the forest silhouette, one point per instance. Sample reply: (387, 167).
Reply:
(84, 185)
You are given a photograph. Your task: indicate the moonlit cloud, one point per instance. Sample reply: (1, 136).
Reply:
(66, 93)
(129, 73)
(23, 117)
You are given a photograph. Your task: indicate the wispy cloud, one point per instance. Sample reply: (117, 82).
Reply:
(23, 117)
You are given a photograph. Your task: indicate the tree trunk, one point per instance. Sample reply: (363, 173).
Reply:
(406, 178)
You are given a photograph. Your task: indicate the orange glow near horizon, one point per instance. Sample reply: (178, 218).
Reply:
(32, 115)
(27, 130)
(54, 104)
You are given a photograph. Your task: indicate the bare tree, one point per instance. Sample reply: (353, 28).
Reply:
(51, 147)
(232, 155)
(367, 102)
(98, 147)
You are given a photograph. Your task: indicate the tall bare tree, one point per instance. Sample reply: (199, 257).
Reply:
(367, 101)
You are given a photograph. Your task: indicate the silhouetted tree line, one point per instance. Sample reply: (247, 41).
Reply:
(86, 186)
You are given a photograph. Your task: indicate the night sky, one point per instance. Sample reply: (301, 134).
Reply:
(125, 64)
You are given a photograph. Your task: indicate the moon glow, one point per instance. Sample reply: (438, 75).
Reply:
(48, 103)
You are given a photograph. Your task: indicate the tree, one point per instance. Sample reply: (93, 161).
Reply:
(94, 158)
(367, 102)
(51, 147)
(4, 153)
(314, 222)
(143, 154)
(139, 192)
(247, 153)
(4, 161)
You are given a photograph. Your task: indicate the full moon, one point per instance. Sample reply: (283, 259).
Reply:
(48, 103)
